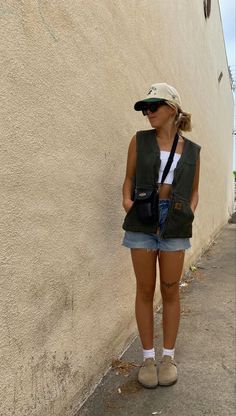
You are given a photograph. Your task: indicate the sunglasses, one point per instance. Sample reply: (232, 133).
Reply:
(152, 106)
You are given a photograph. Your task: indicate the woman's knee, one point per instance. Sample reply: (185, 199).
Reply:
(169, 291)
(145, 292)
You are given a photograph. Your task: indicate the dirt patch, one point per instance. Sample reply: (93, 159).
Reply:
(123, 367)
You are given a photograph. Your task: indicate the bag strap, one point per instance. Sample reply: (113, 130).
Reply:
(170, 159)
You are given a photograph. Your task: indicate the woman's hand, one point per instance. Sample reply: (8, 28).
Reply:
(127, 204)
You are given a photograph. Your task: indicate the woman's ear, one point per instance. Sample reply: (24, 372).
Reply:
(173, 110)
(176, 112)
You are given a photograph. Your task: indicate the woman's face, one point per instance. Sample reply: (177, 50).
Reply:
(163, 116)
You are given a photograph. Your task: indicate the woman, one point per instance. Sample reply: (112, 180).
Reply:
(167, 240)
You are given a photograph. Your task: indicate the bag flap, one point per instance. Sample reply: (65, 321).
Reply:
(145, 194)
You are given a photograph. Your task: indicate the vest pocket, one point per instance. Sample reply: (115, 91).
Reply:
(183, 208)
(179, 220)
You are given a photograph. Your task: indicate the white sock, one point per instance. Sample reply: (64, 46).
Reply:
(149, 353)
(166, 351)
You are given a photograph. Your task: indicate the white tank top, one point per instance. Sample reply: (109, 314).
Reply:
(164, 154)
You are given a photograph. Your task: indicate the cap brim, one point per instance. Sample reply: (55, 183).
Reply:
(139, 104)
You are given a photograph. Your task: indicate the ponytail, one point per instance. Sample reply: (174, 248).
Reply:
(183, 121)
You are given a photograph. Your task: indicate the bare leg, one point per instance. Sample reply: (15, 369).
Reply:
(171, 267)
(144, 264)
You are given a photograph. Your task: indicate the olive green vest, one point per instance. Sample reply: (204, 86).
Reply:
(178, 223)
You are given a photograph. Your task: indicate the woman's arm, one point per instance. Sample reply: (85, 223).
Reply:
(195, 196)
(130, 173)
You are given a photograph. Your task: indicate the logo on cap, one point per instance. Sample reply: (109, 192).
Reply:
(152, 89)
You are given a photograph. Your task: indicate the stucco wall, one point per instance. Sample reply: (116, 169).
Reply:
(71, 72)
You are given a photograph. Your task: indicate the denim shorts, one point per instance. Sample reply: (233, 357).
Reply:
(152, 241)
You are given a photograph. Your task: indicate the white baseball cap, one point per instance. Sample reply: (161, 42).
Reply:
(159, 92)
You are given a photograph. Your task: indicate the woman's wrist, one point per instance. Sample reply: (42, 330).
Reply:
(193, 207)
(127, 204)
(126, 199)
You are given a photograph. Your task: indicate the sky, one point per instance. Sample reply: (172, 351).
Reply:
(228, 17)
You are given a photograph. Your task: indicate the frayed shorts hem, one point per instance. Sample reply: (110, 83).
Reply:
(153, 242)
(156, 249)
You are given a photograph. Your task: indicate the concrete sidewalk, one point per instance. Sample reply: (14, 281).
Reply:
(204, 350)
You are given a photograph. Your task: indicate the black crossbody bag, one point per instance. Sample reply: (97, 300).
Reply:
(147, 201)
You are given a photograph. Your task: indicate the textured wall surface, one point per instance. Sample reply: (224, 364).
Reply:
(70, 74)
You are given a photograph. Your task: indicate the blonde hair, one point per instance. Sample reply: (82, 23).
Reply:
(182, 119)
